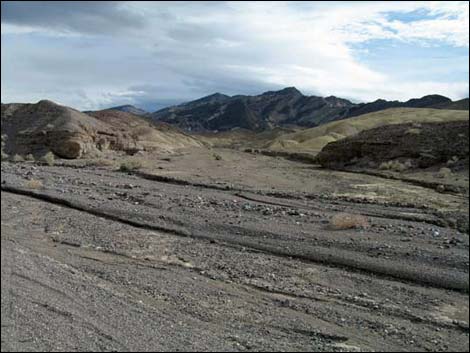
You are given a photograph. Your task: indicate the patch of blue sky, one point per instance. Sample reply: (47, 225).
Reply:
(414, 61)
(412, 16)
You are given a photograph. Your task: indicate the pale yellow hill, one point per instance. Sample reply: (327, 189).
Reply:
(314, 139)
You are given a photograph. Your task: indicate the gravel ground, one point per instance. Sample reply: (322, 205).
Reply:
(95, 259)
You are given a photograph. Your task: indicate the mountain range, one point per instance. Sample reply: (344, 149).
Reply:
(283, 108)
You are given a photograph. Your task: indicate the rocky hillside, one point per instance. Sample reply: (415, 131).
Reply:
(457, 105)
(314, 139)
(268, 110)
(143, 134)
(129, 109)
(68, 133)
(430, 101)
(284, 108)
(408, 145)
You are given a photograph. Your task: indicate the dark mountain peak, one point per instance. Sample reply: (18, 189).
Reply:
(212, 98)
(292, 91)
(285, 107)
(427, 101)
(338, 101)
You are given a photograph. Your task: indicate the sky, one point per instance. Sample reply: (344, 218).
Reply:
(97, 54)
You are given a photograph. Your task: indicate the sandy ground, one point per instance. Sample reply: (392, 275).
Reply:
(235, 254)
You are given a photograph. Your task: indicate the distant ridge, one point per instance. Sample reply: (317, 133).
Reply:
(129, 109)
(283, 108)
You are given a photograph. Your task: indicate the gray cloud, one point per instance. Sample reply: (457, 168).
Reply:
(153, 54)
(90, 17)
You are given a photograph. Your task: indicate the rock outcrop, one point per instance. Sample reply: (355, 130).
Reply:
(68, 133)
(46, 126)
(418, 145)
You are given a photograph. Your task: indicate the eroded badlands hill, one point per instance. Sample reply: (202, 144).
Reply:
(68, 133)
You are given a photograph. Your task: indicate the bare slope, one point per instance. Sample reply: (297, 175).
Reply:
(143, 134)
(313, 140)
(47, 126)
(430, 144)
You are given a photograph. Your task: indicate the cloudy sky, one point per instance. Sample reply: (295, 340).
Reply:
(92, 55)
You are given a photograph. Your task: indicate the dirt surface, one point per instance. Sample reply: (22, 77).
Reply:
(232, 253)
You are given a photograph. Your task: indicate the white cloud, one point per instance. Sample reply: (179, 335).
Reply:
(189, 49)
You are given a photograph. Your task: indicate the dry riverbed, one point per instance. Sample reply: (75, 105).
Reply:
(233, 254)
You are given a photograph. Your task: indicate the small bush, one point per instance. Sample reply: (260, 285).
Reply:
(48, 159)
(408, 164)
(17, 158)
(413, 131)
(102, 162)
(5, 156)
(396, 166)
(444, 173)
(34, 184)
(217, 157)
(130, 165)
(348, 221)
(29, 157)
(452, 161)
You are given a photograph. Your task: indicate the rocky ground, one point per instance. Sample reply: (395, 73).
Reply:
(223, 250)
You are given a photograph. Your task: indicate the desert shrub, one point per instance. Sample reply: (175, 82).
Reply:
(101, 162)
(34, 184)
(444, 173)
(29, 157)
(452, 161)
(408, 164)
(48, 159)
(385, 165)
(413, 131)
(17, 158)
(396, 166)
(130, 165)
(217, 157)
(5, 155)
(348, 221)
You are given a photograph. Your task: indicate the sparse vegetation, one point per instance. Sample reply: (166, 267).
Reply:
(48, 159)
(29, 157)
(5, 156)
(444, 173)
(217, 156)
(413, 131)
(101, 162)
(452, 161)
(34, 184)
(130, 165)
(395, 165)
(348, 221)
(17, 158)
